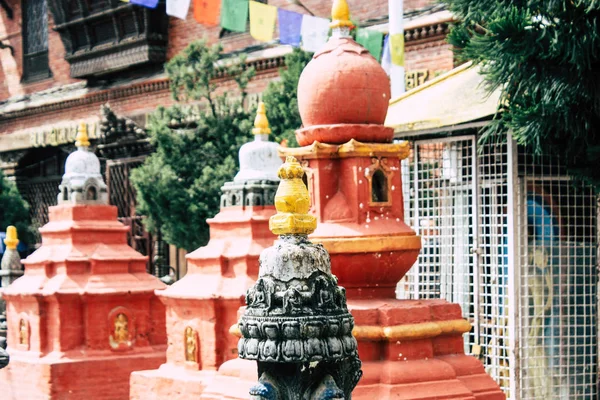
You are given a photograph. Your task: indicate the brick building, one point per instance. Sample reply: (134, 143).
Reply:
(63, 62)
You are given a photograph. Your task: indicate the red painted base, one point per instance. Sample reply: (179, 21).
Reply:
(60, 377)
(421, 365)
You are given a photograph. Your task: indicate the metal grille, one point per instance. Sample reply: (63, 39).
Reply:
(35, 39)
(40, 193)
(557, 246)
(442, 212)
(121, 194)
(513, 241)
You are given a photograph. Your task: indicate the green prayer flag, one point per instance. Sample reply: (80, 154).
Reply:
(234, 15)
(371, 40)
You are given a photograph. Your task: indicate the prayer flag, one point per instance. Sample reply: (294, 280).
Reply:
(145, 3)
(234, 15)
(206, 12)
(314, 33)
(262, 21)
(386, 57)
(289, 27)
(397, 48)
(371, 40)
(178, 8)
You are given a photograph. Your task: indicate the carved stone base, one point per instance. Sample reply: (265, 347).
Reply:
(307, 381)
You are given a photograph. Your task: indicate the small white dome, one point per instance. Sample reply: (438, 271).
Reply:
(259, 160)
(82, 162)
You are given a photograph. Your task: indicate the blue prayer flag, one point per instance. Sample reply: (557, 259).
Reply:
(289, 27)
(145, 3)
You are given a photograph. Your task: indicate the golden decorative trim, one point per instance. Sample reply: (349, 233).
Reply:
(82, 139)
(424, 330)
(12, 240)
(292, 202)
(369, 244)
(353, 148)
(340, 15)
(261, 123)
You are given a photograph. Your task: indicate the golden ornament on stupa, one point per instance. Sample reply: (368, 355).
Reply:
(11, 241)
(261, 123)
(292, 202)
(82, 139)
(340, 15)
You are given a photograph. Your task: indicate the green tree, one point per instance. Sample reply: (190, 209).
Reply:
(14, 210)
(179, 185)
(545, 57)
(281, 98)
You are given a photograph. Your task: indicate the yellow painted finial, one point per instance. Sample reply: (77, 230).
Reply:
(82, 136)
(292, 202)
(11, 240)
(340, 15)
(261, 123)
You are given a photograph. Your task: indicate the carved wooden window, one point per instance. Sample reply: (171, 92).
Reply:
(35, 40)
(105, 36)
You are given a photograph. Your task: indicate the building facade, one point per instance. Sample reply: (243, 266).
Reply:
(101, 62)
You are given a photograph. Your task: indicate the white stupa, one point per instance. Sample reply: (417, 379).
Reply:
(82, 182)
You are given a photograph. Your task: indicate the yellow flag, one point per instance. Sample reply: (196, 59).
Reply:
(262, 21)
(397, 49)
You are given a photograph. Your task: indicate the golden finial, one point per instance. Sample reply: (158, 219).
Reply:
(292, 202)
(340, 15)
(82, 136)
(261, 123)
(11, 241)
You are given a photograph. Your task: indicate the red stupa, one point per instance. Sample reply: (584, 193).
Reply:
(409, 349)
(84, 315)
(203, 305)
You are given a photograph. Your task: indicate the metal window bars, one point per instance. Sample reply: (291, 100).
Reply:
(513, 240)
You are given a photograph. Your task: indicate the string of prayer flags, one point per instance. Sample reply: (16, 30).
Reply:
(397, 49)
(386, 57)
(371, 40)
(234, 15)
(262, 21)
(178, 8)
(290, 24)
(314, 32)
(145, 3)
(206, 12)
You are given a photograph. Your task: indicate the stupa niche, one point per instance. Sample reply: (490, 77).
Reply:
(84, 314)
(203, 305)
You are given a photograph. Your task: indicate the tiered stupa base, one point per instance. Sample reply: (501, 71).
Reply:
(410, 349)
(73, 376)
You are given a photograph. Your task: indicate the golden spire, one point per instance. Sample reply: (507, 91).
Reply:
(340, 15)
(292, 202)
(261, 123)
(11, 240)
(82, 136)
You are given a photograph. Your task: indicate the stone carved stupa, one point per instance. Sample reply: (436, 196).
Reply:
(84, 315)
(203, 305)
(409, 349)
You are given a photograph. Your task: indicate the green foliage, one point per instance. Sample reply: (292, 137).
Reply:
(281, 98)
(545, 56)
(14, 210)
(179, 185)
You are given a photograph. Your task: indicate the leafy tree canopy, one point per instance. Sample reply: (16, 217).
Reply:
(545, 56)
(14, 211)
(281, 98)
(179, 185)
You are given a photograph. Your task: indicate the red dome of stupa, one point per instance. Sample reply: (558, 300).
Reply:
(343, 84)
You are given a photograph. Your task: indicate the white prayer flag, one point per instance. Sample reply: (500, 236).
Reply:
(314, 33)
(178, 8)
